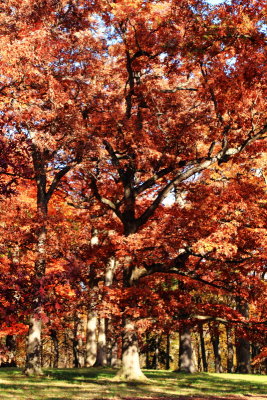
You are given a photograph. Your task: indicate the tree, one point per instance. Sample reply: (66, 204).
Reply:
(42, 111)
(180, 105)
(137, 107)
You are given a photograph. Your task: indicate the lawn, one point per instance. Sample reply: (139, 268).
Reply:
(86, 384)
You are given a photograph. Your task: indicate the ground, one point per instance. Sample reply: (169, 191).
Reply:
(97, 383)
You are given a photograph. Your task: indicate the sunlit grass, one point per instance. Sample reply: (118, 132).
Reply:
(93, 383)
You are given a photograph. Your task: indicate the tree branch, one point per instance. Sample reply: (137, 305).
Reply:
(151, 181)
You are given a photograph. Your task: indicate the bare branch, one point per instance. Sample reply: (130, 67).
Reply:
(151, 181)
(177, 89)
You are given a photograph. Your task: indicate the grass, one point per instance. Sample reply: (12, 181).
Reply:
(93, 383)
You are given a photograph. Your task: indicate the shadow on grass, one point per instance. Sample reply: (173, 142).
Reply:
(98, 383)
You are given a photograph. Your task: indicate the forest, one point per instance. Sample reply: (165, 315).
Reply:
(133, 185)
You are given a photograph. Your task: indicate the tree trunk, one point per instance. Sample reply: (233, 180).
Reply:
(112, 360)
(34, 346)
(78, 343)
(102, 346)
(217, 353)
(155, 361)
(54, 337)
(168, 348)
(203, 349)
(230, 350)
(11, 347)
(101, 356)
(91, 341)
(186, 362)
(130, 368)
(243, 355)
(33, 358)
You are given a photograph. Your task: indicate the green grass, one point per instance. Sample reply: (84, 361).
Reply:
(93, 383)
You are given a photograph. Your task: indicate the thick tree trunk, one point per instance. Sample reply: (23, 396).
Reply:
(243, 355)
(33, 358)
(186, 362)
(203, 349)
(101, 356)
(130, 368)
(217, 353)
(112, 353)
(91, 341)
(11, 347)
(54, 337)
(230, 350)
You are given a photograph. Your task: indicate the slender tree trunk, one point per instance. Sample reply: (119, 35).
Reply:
(147, 351)
(34, 346)
(186, 361)
(91, 340)
(243, 355)
(168, 348)
(102, 346)
(54, 337)
(130, 368)
(216, 350)
(78, 343)
(155, 361)
(203, 349)
(230, 349)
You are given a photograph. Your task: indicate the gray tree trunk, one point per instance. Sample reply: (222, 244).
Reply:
(34, 345)
(91, 340)
(78, 342)
(101, 356)
(186, 360)
(102, 346)
(130, 367)
(33, 351)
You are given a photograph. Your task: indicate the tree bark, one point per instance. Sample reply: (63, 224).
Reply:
(168, 348)
(11, 347)
(130, 368)
(34, 345)
(91, 341)
(54, 337)
(216, 350)
(33, 352)
(101, 355)
(243, 355)
(186, 362)
(78, 343)
(155, 361)
(230, 350)
(102, 346)
(203, 349)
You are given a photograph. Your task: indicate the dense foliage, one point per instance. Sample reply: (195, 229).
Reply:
(133, 176)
